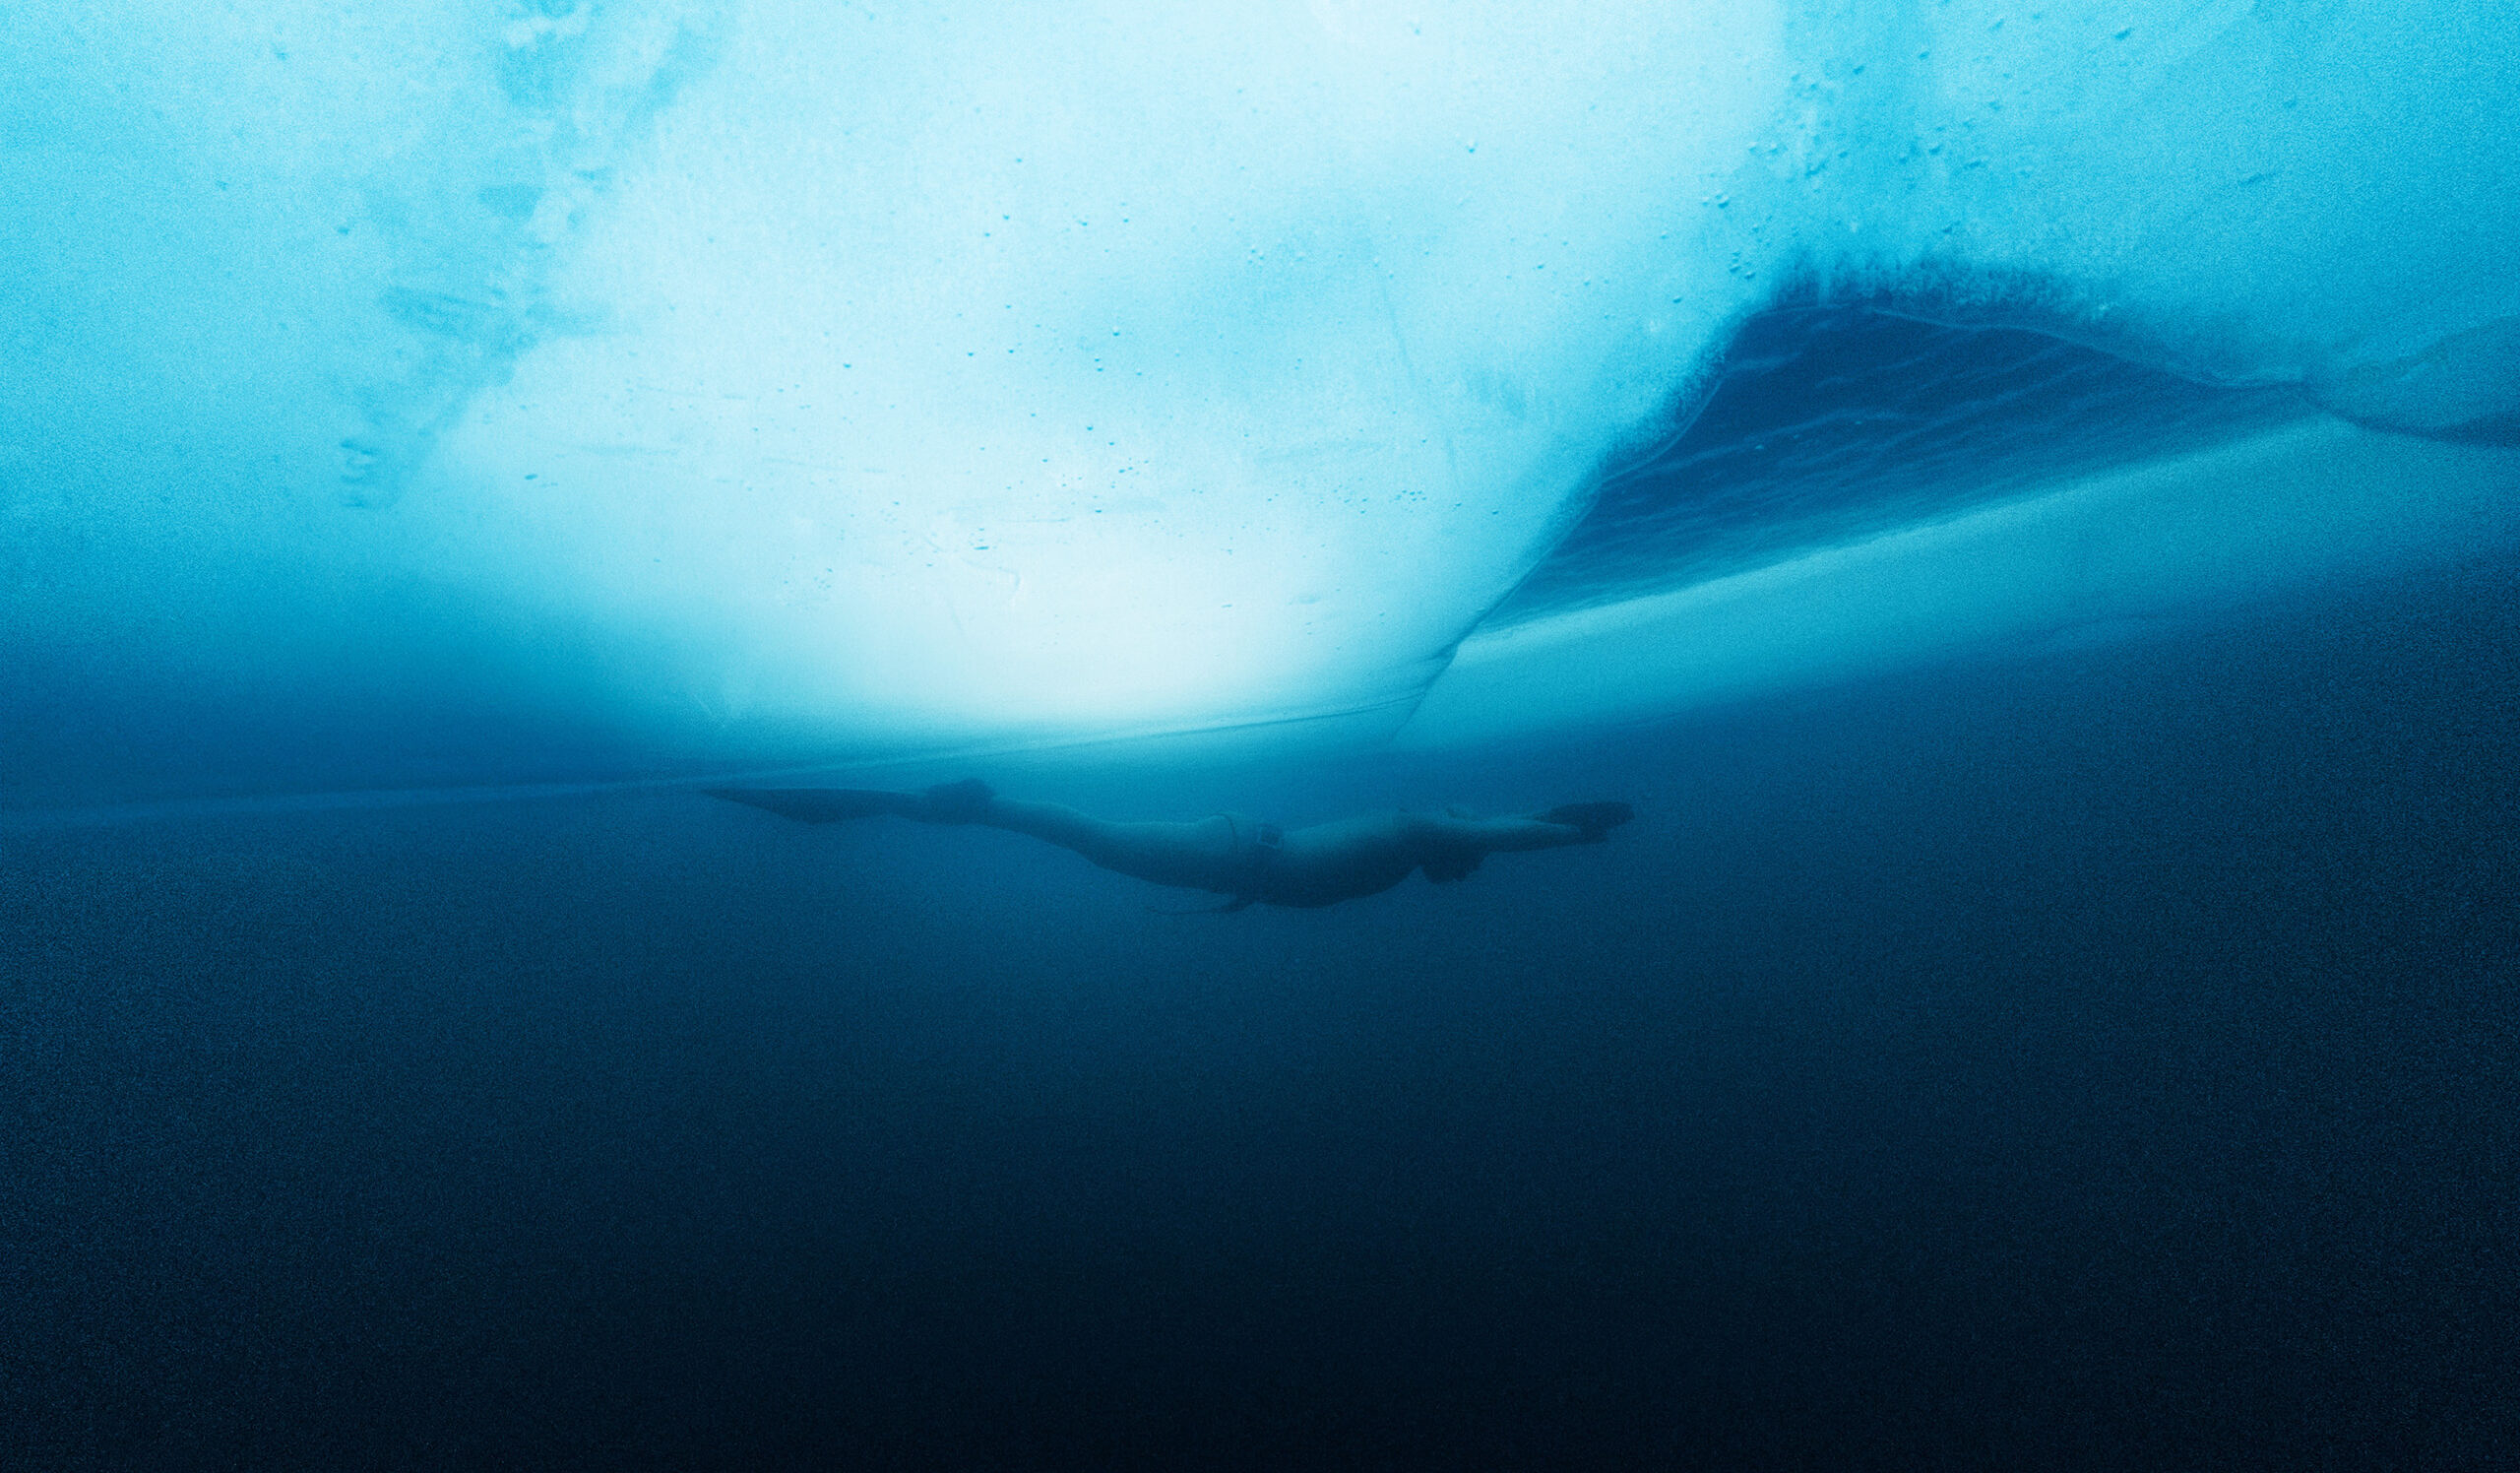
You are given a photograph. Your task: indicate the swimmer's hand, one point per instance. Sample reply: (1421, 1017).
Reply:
(1595, 819)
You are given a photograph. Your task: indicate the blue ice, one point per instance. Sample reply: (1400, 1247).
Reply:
(783, 379)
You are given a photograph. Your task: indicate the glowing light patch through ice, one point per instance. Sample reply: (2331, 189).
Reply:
(777, 374)
(962, 400)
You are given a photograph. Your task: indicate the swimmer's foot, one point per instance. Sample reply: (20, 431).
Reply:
(1595, 819)
(965, 802)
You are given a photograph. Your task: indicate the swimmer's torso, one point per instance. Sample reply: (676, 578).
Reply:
(1334, 862)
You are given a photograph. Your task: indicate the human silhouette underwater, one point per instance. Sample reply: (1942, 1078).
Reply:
(1225, 853)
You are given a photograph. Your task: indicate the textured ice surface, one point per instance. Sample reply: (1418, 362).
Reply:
(2149, 548)
(514, 389)
(1832, 425)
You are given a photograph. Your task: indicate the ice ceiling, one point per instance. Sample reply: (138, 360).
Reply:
(927, 373)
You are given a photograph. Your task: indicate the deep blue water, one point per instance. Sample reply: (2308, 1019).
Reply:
(2101, 1060)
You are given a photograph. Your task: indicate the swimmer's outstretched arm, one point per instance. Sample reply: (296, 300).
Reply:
(1499, 835)
(1574, 823)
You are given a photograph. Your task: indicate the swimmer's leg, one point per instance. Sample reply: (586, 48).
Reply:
(822, 804)
(966, 801)
(1196, 856)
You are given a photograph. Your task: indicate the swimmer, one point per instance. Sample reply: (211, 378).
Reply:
(1227, 854)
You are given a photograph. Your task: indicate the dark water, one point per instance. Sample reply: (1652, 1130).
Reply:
(2107, 1061)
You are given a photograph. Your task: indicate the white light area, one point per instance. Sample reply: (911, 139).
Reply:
(2115, 555)
(970, 372)
(1082, 371)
